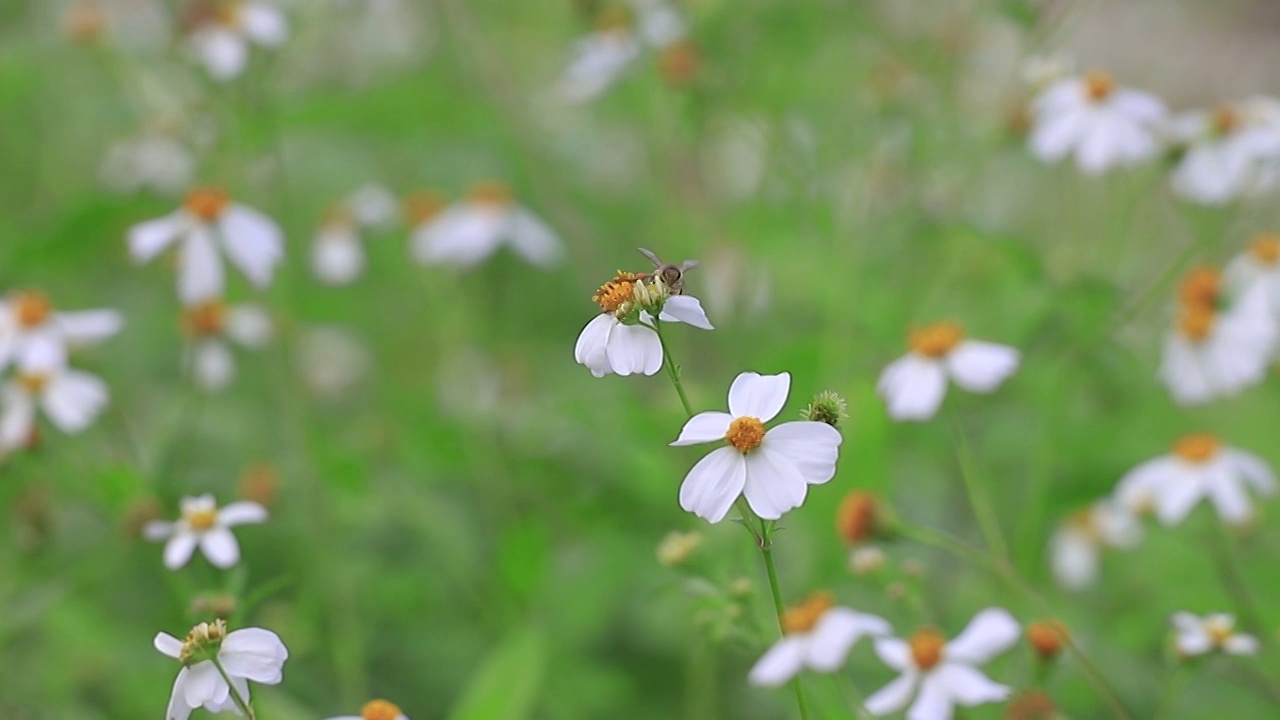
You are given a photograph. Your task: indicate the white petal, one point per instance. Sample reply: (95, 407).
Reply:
(148, 239)
(981, 366)
(18, 418)
(213, 365)
(1053, 137)
(1139, 487)
(337, 257)
(1074, 558)
(592, 346)
(178, 550)
(703, 428)
(531, 239)
(913, 387)
(1177, 496)
(895, 653)
(253, 241)
(88, 326)
(894, 696)
(780, 663)
(1193, 641)
(224, 53)
(1253, 469)
(157, 530)
(460, 236)
(774, 485)
(42, 351)
(1241, 644)
(254, 654)
(1118, 527)
(168, 645)
(598, 60)
(202, 683)
(991, 632)
(758, 396)
(634, 349)
(249, 325)
(812, 447)
(934, 701)
(835, 634)
(968, 686)
(263, 23)
(73, 399)
(714, 484)
(200, 274)
(1227, 494)
(240, 513)
(220, 547)
(685, 309)
(178, 708)
(1184, 373)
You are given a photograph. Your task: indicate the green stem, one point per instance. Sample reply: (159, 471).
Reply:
(672, 369)
(241, 703)
(980, 500)
(1227, 565)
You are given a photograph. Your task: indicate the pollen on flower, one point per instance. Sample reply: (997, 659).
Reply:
(200, 638)
(1098, 85)
(1225, 119)
(1047, 638)
(935, 340)
(857, 518)
(204, 319)
(33, 383)
(1197, 448)
(802, 617)
(745, 434)
(32, 309)
(1265, 248)
(202, 519)
(1219, 630)
(1201, 287)
(612, 295)
(490, 193)
(422, 205)
(379, 710)
(1196, 322)
(926, 648)
(207, 203)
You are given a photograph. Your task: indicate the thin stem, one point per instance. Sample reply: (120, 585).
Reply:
(1228, 567)
(979, 499)
(672, 369)
(1175, 682)
(241, 703)
(766, 552)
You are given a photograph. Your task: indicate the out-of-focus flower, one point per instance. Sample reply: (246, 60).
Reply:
(913, 386)
(155, 158)
(1227, 150)
(818, 636)
(84, 21)
(30, 327)
(859, 517)
(621, 339)
(209, 325)
(601, 57)
(337, 257)
(1259, 266)
(222, 30)
(375, 710)
(771, 468)
(207, 224)
(259, 483)
(676, 547)
(1216, 631)
(866, 559)
(680, 63)
(1040, 71)
(206, 525)
(332, 361)
(1033, 705)
(70, 399)
(1200, 467)
(468, 232)
(1047, 638)
(131, 25)
(941, 674)
(1079, 540)
(1104, 125)
(248, 654)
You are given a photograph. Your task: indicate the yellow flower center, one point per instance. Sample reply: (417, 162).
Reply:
(204, 319)
(490, 194)
(32, 309)
(379, 710)
(201, 519)
(207, 203)
(1047, 637)
(1225, 119)
(926, 648)
(935, 340)
(1196, 323)
(745, 434)
(1219, 631)
(1200, 287)
(33, 383)
(802, 617)
(856, 519)
(1197, 448)
(1265, 248)
(1083, 523)
(200, 637)
(423, 205)
(1098, 85)
(612, 295)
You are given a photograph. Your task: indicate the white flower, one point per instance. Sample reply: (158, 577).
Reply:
(337, 257)
(1227, 150)
(913, 386)
(1258, 267)
(221, 41)
(248, 654)
(621, 338)
(210, 325)
(941, 674)
(204, 524)
(818, 636)
(209, 223)
(771, 468)
(1212, 353)
(1104, 125)
(1216, 631)
(151, 160)
(1078, 541)
(332, 361)
(30, 326)
(1199, 467)
(375, 710)
(468, 232)
(71, 399)
(597, 61)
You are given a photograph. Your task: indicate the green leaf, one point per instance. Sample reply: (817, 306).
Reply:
(505, 687)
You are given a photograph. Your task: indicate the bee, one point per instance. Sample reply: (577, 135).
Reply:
(670, 274)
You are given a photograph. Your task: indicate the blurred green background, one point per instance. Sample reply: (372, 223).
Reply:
(469, 527)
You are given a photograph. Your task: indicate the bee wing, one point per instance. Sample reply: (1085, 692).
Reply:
(652, 258)
(688, 265)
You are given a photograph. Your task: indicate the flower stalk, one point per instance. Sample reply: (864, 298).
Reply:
(245, 708)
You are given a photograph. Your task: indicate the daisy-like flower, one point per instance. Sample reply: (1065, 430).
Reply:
(1259, 266)
(1215, 350)
(621, 338)
(247, 654)
(772, 468)
(206, 525)
(818, 636)
(208, 224)
(1102, 124)
(1226, 150)
(70, 399)
(913, 386)
(375, 710)
(941, 674)
(1077, 544)
(1214, 632)
(210, 325)
(223, 29)
(468, 232)
(1199, 467)
(599, 58)
(29, 325)
(337, 257)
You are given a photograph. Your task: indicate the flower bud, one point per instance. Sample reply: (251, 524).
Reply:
(260, 483)
(216, 604)
(866, 560)
(677, 546)
(828, 407)
(858, 518)
(1032, 705)
(1047, 638)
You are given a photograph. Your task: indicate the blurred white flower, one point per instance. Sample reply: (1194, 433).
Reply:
(1216, 631)
(468, 232)
(209, 326)
(941, 674)
(375, 710)
(866, 560)
(152, 159)
(600, 58)
(70, 399)
(207, 224)
(1227, 150)
(1212, 352)
(771, 468)
(1041, 71)
(1079, 540)
(332, 361)
(206, 525)
(913, 386)
(222, 32)
(337, 256)
(1258, 267)
(1104, 125)
(818, 636)
(1200, 467)
(734, 283)
(248, 654)
(621, 339)
(30, 326)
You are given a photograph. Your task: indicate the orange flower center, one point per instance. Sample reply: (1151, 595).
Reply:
(802, 617)
(1265, 248)
(745, 434)
(32, 309)
(201, 519)
(205, 319)
(1196, 323)
(33, 383)
(935, 340)
(926, 648)
(679, 63)
(379, 710)
(207, 203)
(1197, 448)
(490, 194)
(423, 205)
(1219, 630)
(1047, 637)
(1200, 287)
(1225, 119)
(612, 295)
(856, 519)
(1098, 85)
